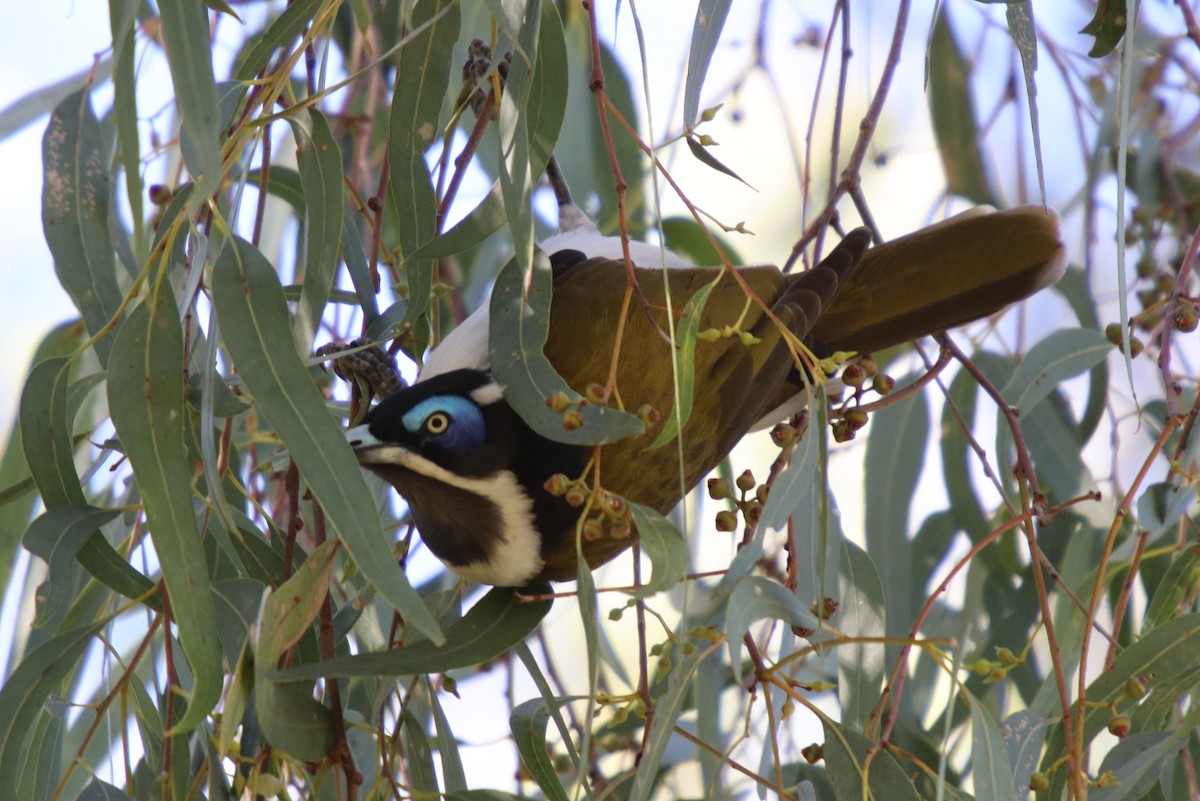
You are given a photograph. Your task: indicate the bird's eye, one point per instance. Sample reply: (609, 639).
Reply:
(437, 423)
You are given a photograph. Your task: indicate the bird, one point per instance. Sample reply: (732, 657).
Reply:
(480, 483)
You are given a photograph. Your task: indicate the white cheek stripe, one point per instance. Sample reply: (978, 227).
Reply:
(517, 558)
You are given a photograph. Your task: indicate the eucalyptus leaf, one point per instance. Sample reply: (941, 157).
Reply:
(520, 320)
(146, 402)
(494, 624)
(254, 319)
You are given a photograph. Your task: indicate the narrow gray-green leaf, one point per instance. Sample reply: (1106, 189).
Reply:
(1023, 732)
(1075, 289)
(257, 331)
(685, 363)
(1137, 761)
(957, 456)
(102, 791)
(453, 775)
(1108, 26)
(846, 761)
(753, 599)
(1061, 355)
(145, 398)
(1023, 30)
(17, 496)
(952, 109)
(356, 264)
(989, 758)
(862, 613)
(895, 453)
(528, 723)
(56, 536)
(320, 163)
(189, 54)
(39, 674)
(519, 325)
(544, 117)
(418, 757)
(497, 622)
(41, 101)
(706, 33)
(666, 716)
(75, 193)
(702, 154)
(422, 75)
(516, 177)
(663, 543)
(282, 32)
(122, 15)
(46, 433)
(1176, 584)
(291, 718)
(1164, 654)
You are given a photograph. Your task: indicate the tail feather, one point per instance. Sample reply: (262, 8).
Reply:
(946, 275)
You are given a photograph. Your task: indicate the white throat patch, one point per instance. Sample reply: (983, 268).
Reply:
(515, 559)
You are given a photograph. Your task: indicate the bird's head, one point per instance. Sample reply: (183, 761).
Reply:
(472, 473)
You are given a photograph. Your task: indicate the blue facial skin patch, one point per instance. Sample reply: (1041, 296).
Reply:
(465, 430)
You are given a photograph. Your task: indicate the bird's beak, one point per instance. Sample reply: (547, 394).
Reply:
(361, 441)
(373, 451)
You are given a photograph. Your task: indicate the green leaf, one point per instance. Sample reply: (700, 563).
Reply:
(544, 117)
(56, 536)
(895, 455)
(75, 193)
(254, 321)
(1023, 732)
(26, 689)
(952, 109)
(1166, 654)
(1137, 761)
(989, 759)
(667, 709)
(519, 324)
(189, 54)
(320, 163)
(281, 33)
(862, 613)
(846, 754)
(1108, 26)
(497, 622)
(700, 151)
(1073, 286)
(1178, 583)
(35, 104)
(123, 22)
(1061, 355)
(356, 265)
(665, 546)
(528, 723)
(422, 75)
(958, 456)
(685, 364)
(1021, 27)
(452, 767)
(706, 33)
(754, 598)
(291, 719)
(418, 757)
(516, 177)
(145, 399)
